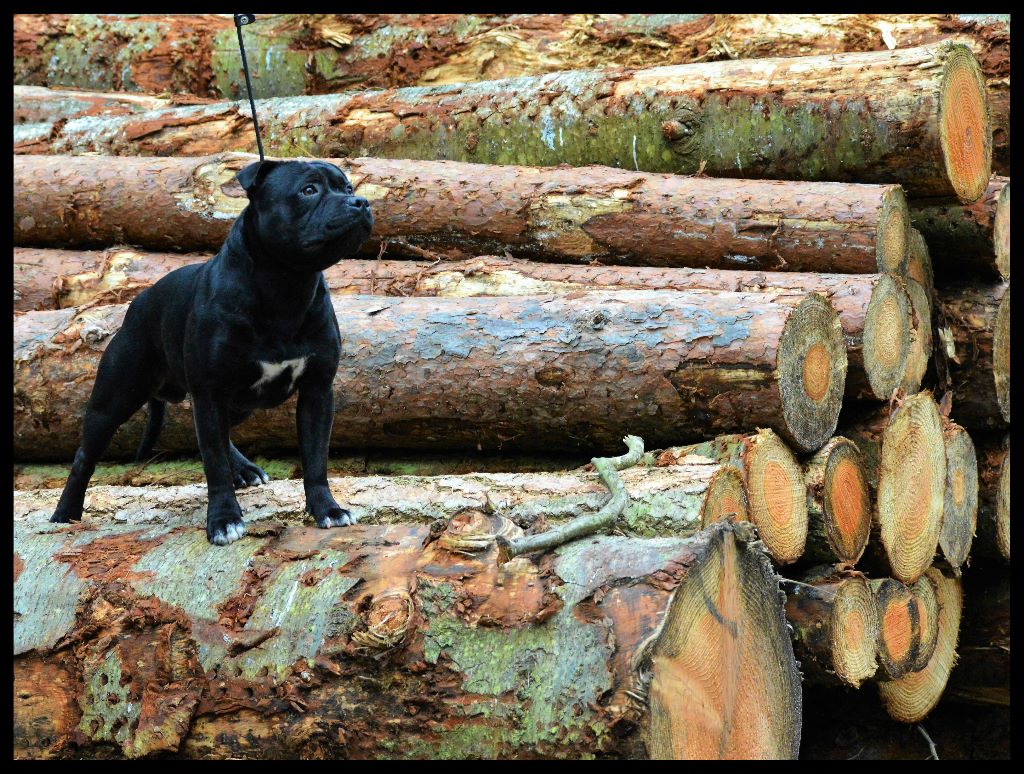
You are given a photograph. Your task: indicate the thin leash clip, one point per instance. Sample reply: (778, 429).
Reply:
(241, 19)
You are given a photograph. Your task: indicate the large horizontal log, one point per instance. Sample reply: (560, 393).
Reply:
(322, 54)
(873, 309)
(916, 116)
(540, 372)
(968, 238)
(577, 215)
(975, 331)
(667, 500)
(383, 642)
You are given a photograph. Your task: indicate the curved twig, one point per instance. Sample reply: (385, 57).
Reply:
(606, 468)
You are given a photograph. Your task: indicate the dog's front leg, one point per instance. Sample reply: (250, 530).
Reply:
(223, 514)
(315, 417)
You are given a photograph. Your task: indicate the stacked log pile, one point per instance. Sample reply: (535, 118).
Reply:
(789, 275)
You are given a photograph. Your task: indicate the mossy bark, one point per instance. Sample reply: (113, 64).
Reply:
(554, 373)
(848, 117)
(578, 215)
(664, 500)
(367, 642)
(318, 54)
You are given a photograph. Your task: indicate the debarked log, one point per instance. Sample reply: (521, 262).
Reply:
(566, 372)
(915, 116)
(382, 642)
(874, 309)
(576, 215)
(975, 331)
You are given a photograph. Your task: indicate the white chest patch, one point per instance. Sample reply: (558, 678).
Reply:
(273, 370)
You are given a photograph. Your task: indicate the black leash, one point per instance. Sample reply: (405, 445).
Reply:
(241, 19)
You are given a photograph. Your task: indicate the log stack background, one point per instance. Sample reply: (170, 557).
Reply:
(775, 247)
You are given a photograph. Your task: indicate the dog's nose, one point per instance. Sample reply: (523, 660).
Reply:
(359, 202)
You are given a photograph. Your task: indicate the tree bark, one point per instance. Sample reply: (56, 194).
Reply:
(670, 500)
(558, 373)
(782, 119)
(835, 628)
(873, 309)
(982, 673)
(839, 504)
(381, 642)
(34, 104)
(577, 215)
(323, 54)
(993, 537)
(976, 334)
(968, 238)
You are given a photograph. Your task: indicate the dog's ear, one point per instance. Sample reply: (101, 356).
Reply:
(250, 177)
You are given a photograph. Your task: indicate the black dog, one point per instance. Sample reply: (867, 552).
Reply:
(240, 332)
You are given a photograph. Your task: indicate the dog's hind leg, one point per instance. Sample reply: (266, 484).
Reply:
(246, 473)
(123, 383)
(154, 424)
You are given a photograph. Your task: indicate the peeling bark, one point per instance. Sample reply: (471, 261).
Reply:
(319, 54)
(671, 500)
(806, 118)
(578, 215)
(380, 642)
(873, 309)
(554, 373)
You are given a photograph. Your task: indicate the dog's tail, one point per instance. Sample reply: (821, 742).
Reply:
(154, 424)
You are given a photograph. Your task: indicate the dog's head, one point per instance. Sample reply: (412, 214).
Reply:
(306, 213)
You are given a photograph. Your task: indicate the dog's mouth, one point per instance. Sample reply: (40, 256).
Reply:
(352, 230)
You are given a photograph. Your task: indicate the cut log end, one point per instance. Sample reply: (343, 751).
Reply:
(1001, 232)
(919, 261)
(745, 702)
(812, 367)
(893, 224)
(965, 131)
(1001, 355)
(775, 485)
(910, 698)
(911, 486)
(899, 629)
(725, 499)
(854, 632)
(846, 502)
(926, 604)
(886, 337)
(960, 508)
(921, 341)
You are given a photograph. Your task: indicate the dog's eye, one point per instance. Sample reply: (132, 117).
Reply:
(309, 190)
